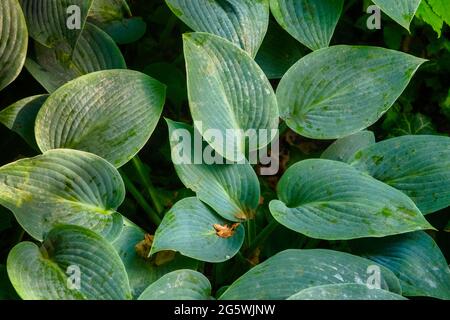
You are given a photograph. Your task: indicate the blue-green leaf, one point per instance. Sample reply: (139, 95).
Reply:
(401, 11)
(343, 149)
(331, 200)
(190, 228)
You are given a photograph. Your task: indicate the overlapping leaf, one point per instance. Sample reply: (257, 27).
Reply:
(417, 165)
(343, 149)
(331, 200)
(13, 41)
(348, 291)
(291, 271)
(402, 11)
(312, 22)
(72, 263)
(232, 190)
(243, 22)
(63, 187)
(110, 113)
(416, 260)
(143, 271)
(47, 20)
(179, 285)
(337, 91)
(95, 51)
(189, 229)
(229, 93)
(20, 117)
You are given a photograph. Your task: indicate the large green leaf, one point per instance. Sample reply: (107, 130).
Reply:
(47, 20)
(63, 187)
(343, 149)
(94, 51)
(243, 22)
(110, 113)
(189, 229)
(441, 8)
(401, 11)
(417, 165)
(232, 190)
(291, 271)
(312, 22)
(50, 272)
(228, 92)
(179, 285)
(105, 11)
(426, 13)
(416, 260)
(13, 41)
(331, 200)
(348, 291)
(278, 52)
(20, 117)
(144, 271)
(338, 91)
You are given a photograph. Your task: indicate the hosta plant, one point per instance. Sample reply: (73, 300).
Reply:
(238, 149)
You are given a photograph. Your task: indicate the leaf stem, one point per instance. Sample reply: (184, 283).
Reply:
(148, 184)
(262, 236)
(251, 231)
(141, 200)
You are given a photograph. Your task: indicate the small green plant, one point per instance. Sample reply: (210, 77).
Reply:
(341, 216)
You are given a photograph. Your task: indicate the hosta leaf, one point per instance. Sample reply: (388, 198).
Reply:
(189, 229)
(63, 187)
(48, 20)
(312, 22)
(104, 11)
(143, 271)
(95, 51)
(348, 291)
(343, 149)
(331, 200)
(278, 52)
(417, 165)
(109, 113)
(13, 41)
(179, 285)
(291, 271)
(21, 116)
(416, 260)
(243, 22)
(232, 190)
(228, 90)
(401, 11)
(127, 30)
(50, 272)
(337, 91)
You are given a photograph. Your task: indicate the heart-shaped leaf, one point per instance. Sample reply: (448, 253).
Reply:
(110, 113)
(417, 165)
(95, 51)
(72, 263)
(343, 149)
(229, 93)
(13, 41)
(232, 190)
(53, 22)
(338, 91)
(348, 291)
(20, 117)
(243, 22)
(141, 270)
(331, 200)
(416, 260)
(194, 230)
(63, 187)
(179, 285)
(312, 22)
(291, 271)
(401, 11)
